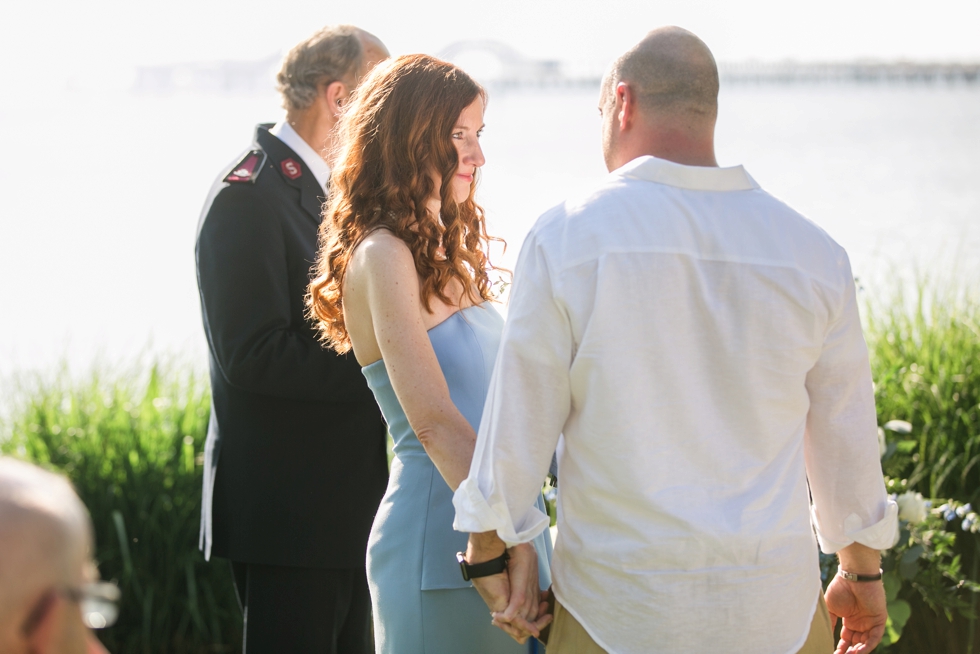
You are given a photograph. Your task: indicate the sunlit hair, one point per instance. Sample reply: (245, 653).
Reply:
(394, 136)
(333, 54)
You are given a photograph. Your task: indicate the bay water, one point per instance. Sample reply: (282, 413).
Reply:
(100, 194)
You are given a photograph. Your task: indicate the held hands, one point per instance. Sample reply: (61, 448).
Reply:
(526, 608)
(516, 602)
(861, 606)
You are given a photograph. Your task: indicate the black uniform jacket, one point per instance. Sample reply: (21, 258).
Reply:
(295, 462)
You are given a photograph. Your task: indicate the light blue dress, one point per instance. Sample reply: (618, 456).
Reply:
(421, 603)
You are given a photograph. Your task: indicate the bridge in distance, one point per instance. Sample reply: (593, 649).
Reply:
(503, 67)
(514, 70)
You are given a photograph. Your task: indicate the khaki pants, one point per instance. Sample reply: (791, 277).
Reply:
(569, 637)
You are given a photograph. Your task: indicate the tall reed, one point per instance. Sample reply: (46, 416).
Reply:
(131, 443)
(925, 357)
(925, 354)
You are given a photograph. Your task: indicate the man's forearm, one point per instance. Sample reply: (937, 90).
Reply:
(859, 559)
(484, 547)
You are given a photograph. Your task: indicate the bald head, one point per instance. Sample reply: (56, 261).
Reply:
(661, 99)
(671, 71)
(374, 49)
(45, 535)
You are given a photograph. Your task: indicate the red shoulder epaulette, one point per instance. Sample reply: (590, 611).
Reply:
(248, 169)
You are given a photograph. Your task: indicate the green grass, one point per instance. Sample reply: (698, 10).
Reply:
(924, 343)
(132, 442)
(925, 355)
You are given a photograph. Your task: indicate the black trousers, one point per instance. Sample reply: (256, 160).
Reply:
(304, 610)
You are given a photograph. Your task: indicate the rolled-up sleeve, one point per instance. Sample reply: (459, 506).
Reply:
(525, 411)
(843, 467)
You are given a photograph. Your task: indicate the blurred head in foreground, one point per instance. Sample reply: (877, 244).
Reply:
(48, 598)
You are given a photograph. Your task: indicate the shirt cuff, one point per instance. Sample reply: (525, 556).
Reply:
(882, 535)
(474, 515)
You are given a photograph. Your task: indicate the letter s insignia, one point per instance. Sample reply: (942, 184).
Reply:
(291, 169)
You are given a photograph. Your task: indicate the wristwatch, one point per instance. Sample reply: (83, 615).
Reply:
(853, 576)
(485, 569)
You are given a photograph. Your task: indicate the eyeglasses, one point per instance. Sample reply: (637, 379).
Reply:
(96, 600)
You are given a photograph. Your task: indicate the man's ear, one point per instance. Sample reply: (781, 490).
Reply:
(625, 105)
(336, 94)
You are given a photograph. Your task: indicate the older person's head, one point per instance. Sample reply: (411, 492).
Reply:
(45, 563)
(661, 99)
(319, 74)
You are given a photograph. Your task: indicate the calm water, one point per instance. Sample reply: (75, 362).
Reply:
(101, 194)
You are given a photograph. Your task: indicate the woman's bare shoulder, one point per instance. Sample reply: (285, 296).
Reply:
(380, 285)
(382, 248)
(381, 260)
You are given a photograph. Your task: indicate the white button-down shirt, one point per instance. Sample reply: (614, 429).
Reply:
(285, 133)
(698, 344)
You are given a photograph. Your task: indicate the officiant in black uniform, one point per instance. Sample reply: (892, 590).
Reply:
(295, 462)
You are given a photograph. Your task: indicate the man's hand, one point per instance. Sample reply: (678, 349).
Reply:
(526, 600)
(494, 589)
(862, 607)
(861, 604)
(510, 614)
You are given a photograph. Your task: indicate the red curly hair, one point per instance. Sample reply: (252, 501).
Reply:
(395, 133)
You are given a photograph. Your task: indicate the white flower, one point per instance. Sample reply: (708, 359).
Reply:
(963, 510)
(899, 426)
(911, 507)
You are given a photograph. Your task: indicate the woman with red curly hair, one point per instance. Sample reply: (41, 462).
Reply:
(402, 279)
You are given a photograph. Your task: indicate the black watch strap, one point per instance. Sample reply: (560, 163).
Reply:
(485, 569)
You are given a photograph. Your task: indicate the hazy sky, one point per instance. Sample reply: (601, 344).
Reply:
(44, 40)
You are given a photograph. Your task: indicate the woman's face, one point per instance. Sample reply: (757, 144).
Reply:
(466, 138)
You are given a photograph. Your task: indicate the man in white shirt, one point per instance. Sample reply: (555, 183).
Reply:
(295, 462)
(697, 344)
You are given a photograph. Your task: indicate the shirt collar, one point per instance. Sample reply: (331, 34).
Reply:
(694, 178)
(285, 133)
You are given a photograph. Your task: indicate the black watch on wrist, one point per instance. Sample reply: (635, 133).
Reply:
(485, 569)
(851, 576)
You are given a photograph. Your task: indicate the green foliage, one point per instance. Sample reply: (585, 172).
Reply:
(925, 357)
(925, 562)
(132, 444)
(550, 492)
